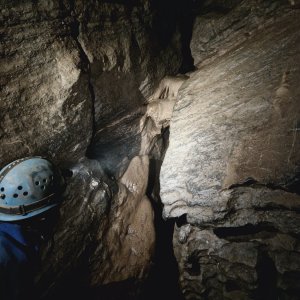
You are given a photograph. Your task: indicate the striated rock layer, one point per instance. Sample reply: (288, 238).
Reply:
(231, 172)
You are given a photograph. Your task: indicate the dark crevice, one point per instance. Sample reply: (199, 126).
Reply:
(162, 282)
(192, 265)
(247, 182)
(266, 277)
(92, 93)
(67, 173)
(86, 66)
(232, 285)
(181, 221)
(246, 232)
(186, 24)
(290, 186)
(293, 184)
(172, 16)
(153, 183)
(276, 207)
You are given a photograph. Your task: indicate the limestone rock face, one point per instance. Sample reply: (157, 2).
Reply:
(76, 81)
(231, 172)
(129, 242)
(78, 230)
(127, 62)
(46, 105)
(220, 26)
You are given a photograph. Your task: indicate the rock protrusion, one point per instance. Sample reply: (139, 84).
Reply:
(232, 167)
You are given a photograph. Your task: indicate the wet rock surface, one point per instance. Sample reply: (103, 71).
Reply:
(231, 172)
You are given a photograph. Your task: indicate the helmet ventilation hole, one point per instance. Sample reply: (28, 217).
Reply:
(20, 187)
(15, 195)
(45, 180)
(3, 196)
(37, 183)
(25, 193)
(2, 189)
(43, 187)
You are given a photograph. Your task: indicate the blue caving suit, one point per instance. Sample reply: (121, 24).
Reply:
(19, 260)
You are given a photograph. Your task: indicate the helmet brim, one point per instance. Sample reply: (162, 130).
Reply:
(12, 218)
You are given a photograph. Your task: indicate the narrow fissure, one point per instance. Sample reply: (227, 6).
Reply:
(246, 232)
(163, 280)
(86, 66)
(267, 277)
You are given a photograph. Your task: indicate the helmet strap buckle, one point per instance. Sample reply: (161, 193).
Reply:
(22, 210)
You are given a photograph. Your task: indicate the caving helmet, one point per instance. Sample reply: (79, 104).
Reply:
(28, 187)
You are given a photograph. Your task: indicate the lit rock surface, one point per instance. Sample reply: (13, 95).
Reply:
(46, 105)
(129, 242)
(221, 25)
(231, 172)
(158, 113)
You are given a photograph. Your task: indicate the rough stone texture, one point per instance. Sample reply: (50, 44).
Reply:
(46, 106)
(117, 236)
(78, 231)
(127, 246)
(76, 78)
(129, 242)
(158, 114)
(223, 25)
(130, 238)
(231, 172)
(253, 253)
(127, 62)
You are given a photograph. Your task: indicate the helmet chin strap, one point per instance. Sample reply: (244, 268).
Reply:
(27, 208)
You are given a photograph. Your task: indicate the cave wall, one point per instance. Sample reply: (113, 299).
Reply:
(84, 83)
(231, 173)
(46, 105)
(80, 85)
